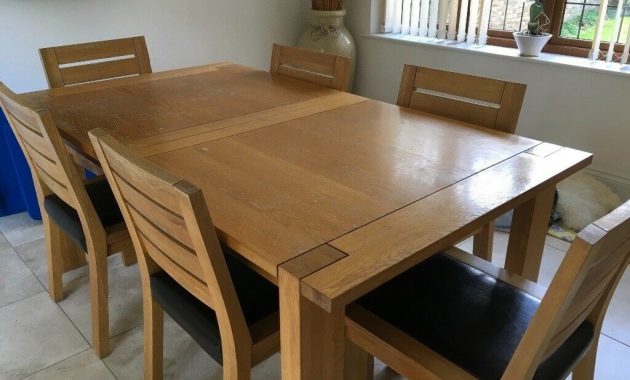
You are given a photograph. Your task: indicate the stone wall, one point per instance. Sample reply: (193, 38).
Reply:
(514, 19)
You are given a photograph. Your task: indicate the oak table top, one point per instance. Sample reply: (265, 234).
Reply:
(338, 191)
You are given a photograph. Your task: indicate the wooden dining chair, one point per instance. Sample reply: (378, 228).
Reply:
(76, 213)
(456, 316)
(312, 66)
(94, 61)
(231, 311)
(490, 103)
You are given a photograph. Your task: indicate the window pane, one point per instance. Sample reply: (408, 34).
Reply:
(580, 20)
(510, 15)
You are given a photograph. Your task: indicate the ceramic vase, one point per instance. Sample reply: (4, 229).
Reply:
(327, 33)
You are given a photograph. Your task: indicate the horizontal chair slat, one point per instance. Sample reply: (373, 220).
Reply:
(94, 50)
(312, 61)
(485, 89)
(455, 109)
(190, 282)
(168, 245)
(169, 222)
(315, 78)
(99, 71)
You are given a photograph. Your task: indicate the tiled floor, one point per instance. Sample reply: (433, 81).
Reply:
(43, 340)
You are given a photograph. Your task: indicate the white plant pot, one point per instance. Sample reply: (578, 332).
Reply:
(530, 46)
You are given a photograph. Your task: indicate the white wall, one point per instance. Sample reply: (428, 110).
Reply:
(569, 106)
(178, 32)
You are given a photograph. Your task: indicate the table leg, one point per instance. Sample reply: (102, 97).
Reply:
(483, 242)
(358, 363)
(527, 235)
(311, 339)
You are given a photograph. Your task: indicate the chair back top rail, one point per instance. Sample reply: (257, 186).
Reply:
(580, 291)
(171, 229)
(482, 101)
(94, 61)
(319, 68)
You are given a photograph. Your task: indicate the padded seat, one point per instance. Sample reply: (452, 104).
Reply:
(257, 296)
(472, 319)
(68, 219)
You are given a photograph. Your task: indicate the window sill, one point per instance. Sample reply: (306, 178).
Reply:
(545, 58)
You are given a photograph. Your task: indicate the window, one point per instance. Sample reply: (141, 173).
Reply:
(580, 18)
(573, 24)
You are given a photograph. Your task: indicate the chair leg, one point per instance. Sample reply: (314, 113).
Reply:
(99, 294)
(237, 366)
(153, 338)
(56, 241)
(585, 369)
(482, 242)
(359, 364)
(129, 256)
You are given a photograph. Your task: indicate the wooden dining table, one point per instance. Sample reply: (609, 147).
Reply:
(325, 193)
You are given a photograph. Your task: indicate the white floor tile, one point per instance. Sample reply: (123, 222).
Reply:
(612, 360)
(383, 372)
(16, 279)
(85, 365)
(125, 301)
(183, 358)
(499, 247)
(20, 228)
(557, 243)
(268, 369)
(617, 322)
(4, 243)
(35, 334)
(34, 255)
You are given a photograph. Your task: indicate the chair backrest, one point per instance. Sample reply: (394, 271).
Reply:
(486, 102)
(172, 230)
(580, 291)
(80, 63)
(52, 168)
(312, 66)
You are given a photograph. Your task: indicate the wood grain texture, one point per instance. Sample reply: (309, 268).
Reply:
(483, 242)
(388, 246)
(469, 112)
(581, 290)
(112, 51)
(279, 191)
(482, 101)
(468, 86)
(487, 102)
(229, 127)
(384, 185)
(311, 66)
(137, 108)
(530, 222)
(311, 339)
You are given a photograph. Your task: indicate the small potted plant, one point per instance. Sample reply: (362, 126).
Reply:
(531, 41)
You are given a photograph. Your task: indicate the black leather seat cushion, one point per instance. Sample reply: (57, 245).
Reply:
(68, 219)
(257, 296)
(473, 319)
